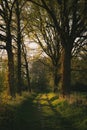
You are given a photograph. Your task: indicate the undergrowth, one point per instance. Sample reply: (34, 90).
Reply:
(47, 111)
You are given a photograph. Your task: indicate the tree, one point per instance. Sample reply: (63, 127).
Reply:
(69, 18)
(19, 44)
(19, 36)
(6, 15)
(24, 50)
(46, 36)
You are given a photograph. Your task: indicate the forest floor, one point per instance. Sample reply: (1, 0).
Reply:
(43, 112)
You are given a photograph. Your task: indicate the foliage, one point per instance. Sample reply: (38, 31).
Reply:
(79, 73)
(80, 70)
(59, 27)
(39, 76)
(1, 82)
(3, 77)
(65, 19)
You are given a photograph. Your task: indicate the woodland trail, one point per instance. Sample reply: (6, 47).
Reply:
(39, 112)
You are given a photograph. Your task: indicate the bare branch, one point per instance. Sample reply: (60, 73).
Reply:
(2, 47)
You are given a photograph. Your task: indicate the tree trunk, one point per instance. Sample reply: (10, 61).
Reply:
(19, 69)
(66, 71)
(56, 79)
(19, 43)
(27, 67)
(10, 66)
(28, 77)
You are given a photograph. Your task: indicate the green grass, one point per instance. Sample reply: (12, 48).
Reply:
(43, 112)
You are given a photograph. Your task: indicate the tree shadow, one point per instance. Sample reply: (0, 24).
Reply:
(24, 117)
(56, 121)
(30, 115)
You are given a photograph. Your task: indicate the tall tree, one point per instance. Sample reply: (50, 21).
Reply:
(19, 14)
(24, 50)
(6, 8)
(19, 44)
(70, 20)
(45, 35)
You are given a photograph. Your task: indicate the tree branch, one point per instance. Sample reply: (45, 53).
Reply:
(2, 47)
(2, 38)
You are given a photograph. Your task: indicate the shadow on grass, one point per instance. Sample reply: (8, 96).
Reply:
(27, 116)
(30, 115)
(59, 121)
(23, 117)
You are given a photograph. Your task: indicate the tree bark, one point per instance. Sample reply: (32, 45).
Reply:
(19, 43)
(19, 69)
(10, 65)
(56, 79)
(28, 77)
(66, 71)
(27, 67)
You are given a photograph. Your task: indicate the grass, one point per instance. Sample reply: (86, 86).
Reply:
(43, 112)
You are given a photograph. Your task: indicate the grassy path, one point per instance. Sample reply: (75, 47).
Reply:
(28, 116)
(45, 112)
